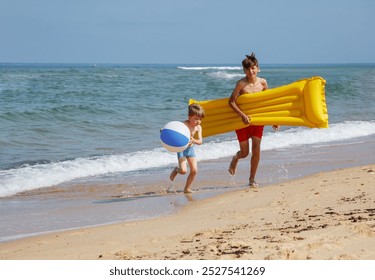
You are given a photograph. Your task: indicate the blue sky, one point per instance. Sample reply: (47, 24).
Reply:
(187, 31)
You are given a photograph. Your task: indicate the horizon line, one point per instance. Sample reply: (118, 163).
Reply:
(181, 63)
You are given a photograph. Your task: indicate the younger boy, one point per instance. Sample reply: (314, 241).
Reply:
(196, 113)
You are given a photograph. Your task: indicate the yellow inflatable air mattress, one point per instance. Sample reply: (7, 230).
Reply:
(301, 103)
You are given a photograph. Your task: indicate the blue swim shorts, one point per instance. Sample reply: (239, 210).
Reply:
(188, 152)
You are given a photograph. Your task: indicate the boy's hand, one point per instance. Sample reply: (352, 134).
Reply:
(246, 119)
(276, 127)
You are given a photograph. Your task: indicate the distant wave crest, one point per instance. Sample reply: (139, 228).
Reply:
(225, 75)
(218, 72)
(200, 68)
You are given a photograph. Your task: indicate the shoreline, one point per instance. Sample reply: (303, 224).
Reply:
(143, 196)
(328, 215)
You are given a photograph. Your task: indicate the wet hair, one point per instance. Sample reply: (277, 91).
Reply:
(196, 110)
(250, 61)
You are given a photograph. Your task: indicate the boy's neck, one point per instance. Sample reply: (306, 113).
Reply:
(252, 80)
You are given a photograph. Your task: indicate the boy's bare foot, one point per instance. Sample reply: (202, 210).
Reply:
(173, 174)
(188, 191)
(171, 187)
(233, 165)
(253, 184)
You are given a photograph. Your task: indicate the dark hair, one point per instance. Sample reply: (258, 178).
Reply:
(250, 61)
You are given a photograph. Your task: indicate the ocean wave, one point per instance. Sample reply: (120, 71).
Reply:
(28, 177)
(293, 137)
(35, 176)
(225, 75)
(222, 72)
(200, 68)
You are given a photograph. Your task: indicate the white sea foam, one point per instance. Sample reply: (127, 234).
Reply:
(293, 137)
(200, 68)
(222, 72)
(225, 75)
(44, 175)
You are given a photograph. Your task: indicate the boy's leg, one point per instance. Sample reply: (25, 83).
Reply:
(192, 161)
(181, 169)
(242, 153)
(255, 158)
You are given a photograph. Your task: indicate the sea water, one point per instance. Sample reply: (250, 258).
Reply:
(76, 124)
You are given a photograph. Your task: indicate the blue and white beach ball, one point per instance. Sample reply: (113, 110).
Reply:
(175, 136)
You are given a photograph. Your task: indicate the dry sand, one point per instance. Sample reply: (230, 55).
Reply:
(325, 216)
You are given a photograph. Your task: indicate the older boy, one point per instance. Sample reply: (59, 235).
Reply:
(247, 85)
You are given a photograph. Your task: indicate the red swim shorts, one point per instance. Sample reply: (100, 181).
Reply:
(245, 133)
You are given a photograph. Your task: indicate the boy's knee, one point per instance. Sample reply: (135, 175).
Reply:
(182, 171)
(243, 154)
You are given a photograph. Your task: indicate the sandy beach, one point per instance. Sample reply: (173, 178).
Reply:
(325, 216)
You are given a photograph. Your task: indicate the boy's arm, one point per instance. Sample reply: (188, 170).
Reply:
(199, 139)
(264, 84)
(232, 103)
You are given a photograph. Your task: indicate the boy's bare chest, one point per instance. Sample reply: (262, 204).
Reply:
(252, 87)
